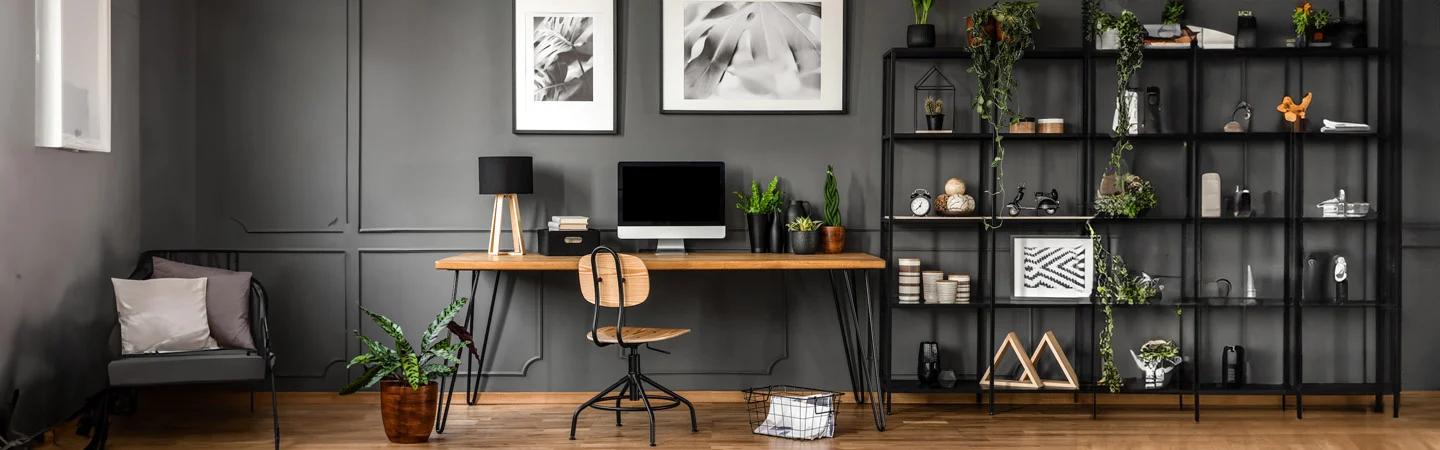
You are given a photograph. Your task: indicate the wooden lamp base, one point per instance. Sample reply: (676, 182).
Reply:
(517, 237)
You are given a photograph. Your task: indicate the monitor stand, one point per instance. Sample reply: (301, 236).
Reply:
(670, 247)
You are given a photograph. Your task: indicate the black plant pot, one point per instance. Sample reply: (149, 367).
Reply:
(777, 233)
(805, 242)
(796, 210)
(759, 231)
(920, 35)
(935, 122)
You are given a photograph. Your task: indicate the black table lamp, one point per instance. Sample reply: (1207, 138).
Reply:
(504, 177)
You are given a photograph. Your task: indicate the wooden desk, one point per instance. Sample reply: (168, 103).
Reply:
(693, 261)
(858, 328)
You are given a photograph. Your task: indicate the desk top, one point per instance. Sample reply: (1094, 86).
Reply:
(693, 261)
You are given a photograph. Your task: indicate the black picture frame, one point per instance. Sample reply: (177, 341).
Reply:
(845, 71)
(617, 11)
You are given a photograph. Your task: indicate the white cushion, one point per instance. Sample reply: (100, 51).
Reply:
(162, 315)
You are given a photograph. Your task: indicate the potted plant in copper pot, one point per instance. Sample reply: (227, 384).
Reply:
(832, 234)
(409, 380)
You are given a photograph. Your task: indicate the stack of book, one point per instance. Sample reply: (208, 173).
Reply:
(569, 223)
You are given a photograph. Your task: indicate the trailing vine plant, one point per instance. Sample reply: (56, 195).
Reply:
(1114, 284)
(998, 36)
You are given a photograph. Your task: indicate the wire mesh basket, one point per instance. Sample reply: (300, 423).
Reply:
(792, 412)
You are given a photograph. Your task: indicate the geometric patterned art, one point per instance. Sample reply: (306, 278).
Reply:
(1052, 267)
(1055, 267)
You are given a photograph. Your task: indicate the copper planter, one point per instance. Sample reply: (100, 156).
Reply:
(832, 239)
(408, 413)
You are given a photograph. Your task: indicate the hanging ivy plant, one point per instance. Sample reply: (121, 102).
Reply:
(998, 37)
(1114, 284)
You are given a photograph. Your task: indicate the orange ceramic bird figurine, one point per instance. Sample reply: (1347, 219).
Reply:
(1294, 112)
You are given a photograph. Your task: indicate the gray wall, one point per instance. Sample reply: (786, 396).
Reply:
(335, 141)
(70, 221)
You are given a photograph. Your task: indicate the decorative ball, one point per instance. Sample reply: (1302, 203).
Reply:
(955, 187)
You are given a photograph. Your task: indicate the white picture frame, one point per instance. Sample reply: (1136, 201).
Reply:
(72, 75)
(567, 67)
(750, 73)
(1052, 267)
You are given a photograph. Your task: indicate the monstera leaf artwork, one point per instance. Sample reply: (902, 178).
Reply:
(752, 50)
(564, 59)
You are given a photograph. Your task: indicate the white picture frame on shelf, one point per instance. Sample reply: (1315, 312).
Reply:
(1052, 267)
(567, 67)
(753, 57)
(72, 75)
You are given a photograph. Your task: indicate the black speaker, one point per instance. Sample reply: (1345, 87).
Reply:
(928, 368)
(1233, 369)
(1312, 289)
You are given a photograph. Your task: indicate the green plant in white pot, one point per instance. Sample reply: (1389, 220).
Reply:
(409, 375)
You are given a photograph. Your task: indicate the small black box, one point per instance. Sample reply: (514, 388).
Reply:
(568, 243)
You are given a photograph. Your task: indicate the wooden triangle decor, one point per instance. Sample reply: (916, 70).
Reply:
(1049, 342)
(1028, 379)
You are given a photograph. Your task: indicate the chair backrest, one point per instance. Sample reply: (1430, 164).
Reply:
(632, 273)
(259, 300)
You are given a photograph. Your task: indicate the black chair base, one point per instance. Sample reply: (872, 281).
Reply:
(632, 388)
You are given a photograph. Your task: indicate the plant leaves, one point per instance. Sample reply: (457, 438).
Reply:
(441, 321)
(410, 368)
(464, 335)
(563, 58)
(361, 382)
(719, 35)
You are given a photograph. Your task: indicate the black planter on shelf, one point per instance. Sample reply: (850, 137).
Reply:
(796, 210)
(805, 242)
(778, 239)
(935, 122)
(759, 230)
(920, 36)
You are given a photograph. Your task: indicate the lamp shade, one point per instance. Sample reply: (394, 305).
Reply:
(506, 175)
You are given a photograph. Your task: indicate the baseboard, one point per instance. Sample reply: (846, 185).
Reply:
(190, 395)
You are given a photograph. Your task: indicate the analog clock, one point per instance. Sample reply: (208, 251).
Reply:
(920, 203)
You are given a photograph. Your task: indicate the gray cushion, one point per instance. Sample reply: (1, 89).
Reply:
(189, 367)
(227, 300)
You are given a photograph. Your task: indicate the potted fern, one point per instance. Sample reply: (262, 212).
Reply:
(804, 235)
(760, 210)
(934, 114)
(408, 376)
(832, 233)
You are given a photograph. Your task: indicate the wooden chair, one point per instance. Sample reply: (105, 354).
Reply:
(612, 280)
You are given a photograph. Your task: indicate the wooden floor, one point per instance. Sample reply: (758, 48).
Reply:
(354, 423)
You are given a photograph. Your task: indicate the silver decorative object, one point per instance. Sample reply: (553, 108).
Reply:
(1338, 207)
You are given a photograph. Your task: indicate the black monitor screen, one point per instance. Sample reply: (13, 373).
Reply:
(672, 193)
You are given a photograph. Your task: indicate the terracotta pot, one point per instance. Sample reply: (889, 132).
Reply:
(988, 29)
(408, 413)
(832, 239)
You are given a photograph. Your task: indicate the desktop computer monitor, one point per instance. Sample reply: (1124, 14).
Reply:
(671, 202)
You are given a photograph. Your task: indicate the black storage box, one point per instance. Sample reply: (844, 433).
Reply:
(568, 243)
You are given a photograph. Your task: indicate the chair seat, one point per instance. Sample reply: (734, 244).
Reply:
(208, 366)
(636, 335)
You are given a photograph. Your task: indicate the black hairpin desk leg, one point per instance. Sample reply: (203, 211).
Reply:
(472, 386)
(858, 320)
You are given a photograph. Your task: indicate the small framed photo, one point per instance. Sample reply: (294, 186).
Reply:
(567, 68)
(752, 57)
(1053, 267)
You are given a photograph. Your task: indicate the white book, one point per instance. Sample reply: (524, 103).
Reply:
(570, 219)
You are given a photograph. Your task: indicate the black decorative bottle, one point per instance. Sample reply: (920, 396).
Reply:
(779, 235)
(928, 366)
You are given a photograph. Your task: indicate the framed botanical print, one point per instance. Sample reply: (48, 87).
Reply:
(567, 68)
(1053, 267)
(752, 57)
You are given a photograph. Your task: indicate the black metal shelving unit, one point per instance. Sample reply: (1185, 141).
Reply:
(1382, 372)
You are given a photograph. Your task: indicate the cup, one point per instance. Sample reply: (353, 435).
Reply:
(945, 291)
(927, 284)
(962, 287)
